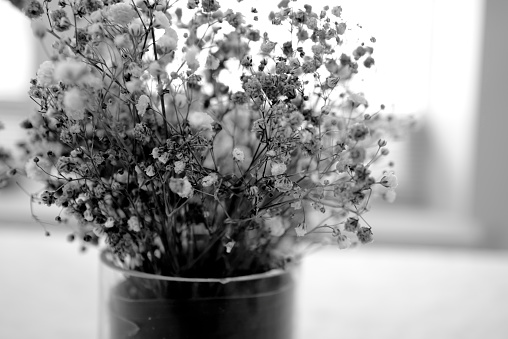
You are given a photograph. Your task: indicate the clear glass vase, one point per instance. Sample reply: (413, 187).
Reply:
(136, 305)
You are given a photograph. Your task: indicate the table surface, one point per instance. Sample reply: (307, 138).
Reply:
(48, 289)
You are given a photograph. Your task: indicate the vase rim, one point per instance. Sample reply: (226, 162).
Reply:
(106, 258)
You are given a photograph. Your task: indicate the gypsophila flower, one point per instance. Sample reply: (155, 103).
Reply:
(164, 157)
(238, 155)
(267, 46)
(110, 222)
(45, 73)
(33, 9)
(150, 171)
(182, 187)
(278, 168)
(358, 99)
(239, 98)
(209, 180)
(88, 216)
(191, 4)
(351, 225)
(357, 155)
(359, 132)
(161, 20)
(364, 235)
(134, 224)
(210, 5)
(341, 28)
(254, 191)
(200, 121)
(70, 71)
(60, 20)
(276, 226)
(121, 13)
(389, 180)
(229, 246)
(74, 104)
(179, 167)
(343, 241)
(169, 41)
(301, 230)
(98, 231)
(337, 10)
(142, 105)
(156, 153)
(212, 62)
(92, 5)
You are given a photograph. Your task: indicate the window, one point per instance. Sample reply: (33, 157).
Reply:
(427, 64)
(17, 64)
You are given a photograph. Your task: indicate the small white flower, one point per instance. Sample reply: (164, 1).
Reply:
(88, 215)
(200, 121)
(182, 187)
(212, 62)
(122, 41)
(278, 168)
(134, 224)
(98, 231)
(389, 180)
(169, 41)
(301, 230)
(121, 13)
(110, 222)
(179, 166)
(296, 205)
(150, 171)
(238, 155)
(70, 71)
(160, 20)
(191, 57)
(358, 99)
(164, 157)
(229, 246)
(267, 46)
(75, 129)
(209, 180)
(253, 191)
(74, 104)
(276, 226)
(142, 105)
(337, 10)
(156, 153)
(45, 73)
(343, 241)
(135, 28)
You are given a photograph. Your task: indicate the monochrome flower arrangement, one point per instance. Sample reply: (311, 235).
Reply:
(140, 136)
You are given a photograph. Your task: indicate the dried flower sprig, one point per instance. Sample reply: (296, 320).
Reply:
(139, 138)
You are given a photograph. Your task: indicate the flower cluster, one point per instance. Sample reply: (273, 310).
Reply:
(140, 136)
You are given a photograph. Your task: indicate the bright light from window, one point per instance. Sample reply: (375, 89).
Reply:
(403, 30)
(17, 58)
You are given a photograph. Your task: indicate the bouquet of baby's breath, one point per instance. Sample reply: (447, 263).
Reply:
(141, 135)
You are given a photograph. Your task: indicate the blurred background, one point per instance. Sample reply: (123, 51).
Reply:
(439, 265)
